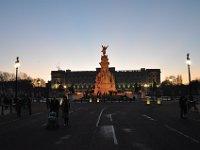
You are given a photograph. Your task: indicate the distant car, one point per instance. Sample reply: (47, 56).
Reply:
(148, 97)
(165, 98)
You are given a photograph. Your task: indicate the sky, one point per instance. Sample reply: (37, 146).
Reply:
(152, 34)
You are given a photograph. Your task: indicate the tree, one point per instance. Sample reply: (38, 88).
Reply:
(24, 76)
(6, 76)
(41, 84)
(166, 83)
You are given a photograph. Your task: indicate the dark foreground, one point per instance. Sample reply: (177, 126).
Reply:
(104, 126)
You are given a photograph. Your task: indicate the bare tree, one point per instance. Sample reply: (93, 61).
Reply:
(5, 76)
(1, 76)
(24, 76)
(39, 82)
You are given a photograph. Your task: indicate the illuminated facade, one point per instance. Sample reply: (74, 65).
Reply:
(57, 79)
(125, 80)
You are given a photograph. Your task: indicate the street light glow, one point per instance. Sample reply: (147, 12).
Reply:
(188, 62)
(39, 81)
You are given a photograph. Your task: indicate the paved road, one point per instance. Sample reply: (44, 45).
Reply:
(105, 126)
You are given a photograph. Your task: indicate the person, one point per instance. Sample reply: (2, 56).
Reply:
(18, 106)
(47, 102)
(54, 106)
(29, 102)
(183, 106)
(6, 100)
(65, 109)
(133, 98)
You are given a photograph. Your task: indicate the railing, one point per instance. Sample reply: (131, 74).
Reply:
(6, 108)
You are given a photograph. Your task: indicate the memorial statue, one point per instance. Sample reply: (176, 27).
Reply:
(105, 82)
(104, 49)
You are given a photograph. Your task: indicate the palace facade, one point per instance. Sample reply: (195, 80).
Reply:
(125, 80)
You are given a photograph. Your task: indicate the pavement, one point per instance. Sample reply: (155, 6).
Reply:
(41, 108)
(108, 126)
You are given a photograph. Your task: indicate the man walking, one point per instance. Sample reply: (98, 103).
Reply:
(183, 106)
(65, 109)
(29, 103)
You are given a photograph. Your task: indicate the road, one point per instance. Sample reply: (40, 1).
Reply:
(105, 126)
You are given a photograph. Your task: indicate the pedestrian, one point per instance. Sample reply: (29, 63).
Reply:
(54, 106)
(65, 110)
(183, 106)
(18, 106)
(47, 102)
(133, 98)
(29, 104)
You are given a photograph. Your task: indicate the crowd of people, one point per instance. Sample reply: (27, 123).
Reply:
(25, 102)
(54, 106)
(18, 103)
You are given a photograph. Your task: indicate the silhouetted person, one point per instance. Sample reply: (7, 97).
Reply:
(18, 106)
(54, 106)
(48, 103)
(29, 104)
(6, 100)
(65, 110)
(192, 103)
(10, 103)
(133, 98)
(183, 106)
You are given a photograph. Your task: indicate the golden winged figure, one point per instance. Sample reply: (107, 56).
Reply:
(104, 49)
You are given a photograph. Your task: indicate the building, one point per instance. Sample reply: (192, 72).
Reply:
(125, 80)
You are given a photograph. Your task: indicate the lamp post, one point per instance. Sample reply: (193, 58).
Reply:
(146, 88)
(189, 75)
(18, 107)
(17, 64)
(38, 82)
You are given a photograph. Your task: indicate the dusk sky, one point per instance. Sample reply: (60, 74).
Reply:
(149, 34)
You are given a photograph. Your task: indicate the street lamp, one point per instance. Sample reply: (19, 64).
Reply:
(17, 64)
(188, 62)
(38, 82)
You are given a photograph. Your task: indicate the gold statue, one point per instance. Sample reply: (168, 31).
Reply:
(104, 49)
